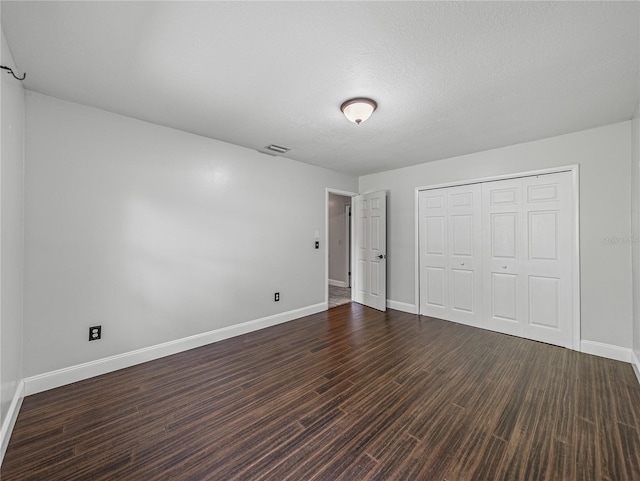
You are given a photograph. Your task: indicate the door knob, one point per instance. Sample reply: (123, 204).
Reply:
(462, 263)
(381, 256)
(504, 267)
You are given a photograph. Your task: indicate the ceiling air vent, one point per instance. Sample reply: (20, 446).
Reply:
(275, 149)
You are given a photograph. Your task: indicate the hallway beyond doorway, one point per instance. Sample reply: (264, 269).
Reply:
(339, 296)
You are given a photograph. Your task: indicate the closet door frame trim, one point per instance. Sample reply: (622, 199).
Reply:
(575, 260)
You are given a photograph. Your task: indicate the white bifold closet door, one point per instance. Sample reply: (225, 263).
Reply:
(527, 236)
(498, 255)
(451, 254)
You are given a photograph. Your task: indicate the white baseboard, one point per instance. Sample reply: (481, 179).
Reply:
(10, 420)
(402, 306)
(333, 282)
(635, 362)
(61, 377)
(606, 350)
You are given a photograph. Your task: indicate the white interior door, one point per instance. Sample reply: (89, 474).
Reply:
(505, 288)
(451, 254)
(465, 253)
(547, 265)
(528, 231)
(434, 276)
(370, 240)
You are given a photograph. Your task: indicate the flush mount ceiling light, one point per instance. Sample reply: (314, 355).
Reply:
(358, 110)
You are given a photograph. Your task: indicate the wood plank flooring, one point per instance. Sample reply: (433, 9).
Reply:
(350, 394)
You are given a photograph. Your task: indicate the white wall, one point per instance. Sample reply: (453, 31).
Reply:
(11, 236)
(604, 158)
(338, 238)
(635, 226)
(157, 234)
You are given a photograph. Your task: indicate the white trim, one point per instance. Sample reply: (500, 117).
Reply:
(10, 419)
(402, 306)
(606, 350)
(347, 244)
(577, 317)
(333, 282)
(635, 362)
(416, 250)
(344, 193)
(575, 171)
(61, 377)
(515, 175)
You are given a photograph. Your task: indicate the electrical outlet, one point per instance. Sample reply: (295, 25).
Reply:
(317, 244)
(95, 333)
(276, 297)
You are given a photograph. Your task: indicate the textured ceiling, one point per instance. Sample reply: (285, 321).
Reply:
(449, 77)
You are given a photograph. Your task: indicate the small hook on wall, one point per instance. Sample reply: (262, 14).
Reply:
(10, 70)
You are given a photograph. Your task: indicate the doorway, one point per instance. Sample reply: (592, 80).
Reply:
(338, 249)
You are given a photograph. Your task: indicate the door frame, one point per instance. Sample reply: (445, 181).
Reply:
(347, 247)
(575, 178)
(344, 193)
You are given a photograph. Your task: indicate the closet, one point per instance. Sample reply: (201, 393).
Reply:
(498, 255)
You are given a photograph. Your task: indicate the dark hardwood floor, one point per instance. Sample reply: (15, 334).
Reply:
(349, 394)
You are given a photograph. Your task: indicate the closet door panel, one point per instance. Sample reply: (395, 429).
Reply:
(433, 253)
(548, 233)
(504, 297)
(464, 213)
(503, 287)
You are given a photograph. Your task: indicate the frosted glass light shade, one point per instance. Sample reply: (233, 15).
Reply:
(358, 110)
